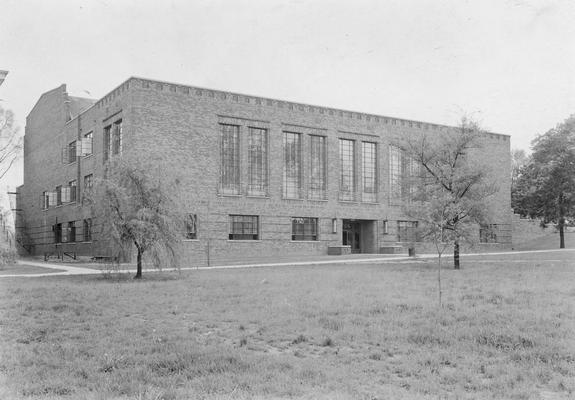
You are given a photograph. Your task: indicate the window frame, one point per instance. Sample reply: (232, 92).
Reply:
(71, 235)
(88, 136)
(369, 171)
(191, 227)
(247, 227)
(73, 185)
(72, 151)
(230, 163)
(258, 178)
(303, 223)
(318, 167)
(87, 228)
(347, 158)
(292, 180)
(488, 233)
(409, 228)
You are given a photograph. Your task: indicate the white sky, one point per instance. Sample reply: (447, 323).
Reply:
(510, 64)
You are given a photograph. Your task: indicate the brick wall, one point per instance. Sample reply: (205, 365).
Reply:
(176, 129)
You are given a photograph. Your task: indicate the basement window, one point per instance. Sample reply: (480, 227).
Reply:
(244, 227)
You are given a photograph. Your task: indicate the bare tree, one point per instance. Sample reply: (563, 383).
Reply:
(452, 185)
(10, 141)
(134, 209)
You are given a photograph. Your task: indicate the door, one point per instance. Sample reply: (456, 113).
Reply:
(351, 235)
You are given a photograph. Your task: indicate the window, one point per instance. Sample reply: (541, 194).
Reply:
(117, 138)
(403, 175)
(488, 233)
(318, 179)
(369, 171)
(71, 231)
(394, 175)
(230, 159)
(72, 152)
(88, 181)
(58, 195)
(257, 162)
(192, 226)
(57, 233)
(113, 140)
(45, 200)
(292, 166)
(87, 230)
(407, 231)
(303, 228)
(244, 227)
(107, 141)
(347, 170)
(87, 144)
(72, 185)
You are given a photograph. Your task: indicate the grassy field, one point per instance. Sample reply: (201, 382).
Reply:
(333, 332)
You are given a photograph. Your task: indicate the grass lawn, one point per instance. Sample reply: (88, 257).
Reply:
(332, 332)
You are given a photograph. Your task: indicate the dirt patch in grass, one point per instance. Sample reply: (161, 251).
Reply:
(333, 332)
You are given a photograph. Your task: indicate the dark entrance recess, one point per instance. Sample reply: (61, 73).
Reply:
(351, 235)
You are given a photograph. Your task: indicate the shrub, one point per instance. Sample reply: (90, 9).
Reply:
(7, 257)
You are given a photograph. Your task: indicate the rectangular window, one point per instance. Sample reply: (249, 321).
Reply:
(410, 173)
(192, 226)
(318, 162)
(347, 170)
(58, 195)
(304, 228)
(45, 200)
(57, 233)
(87, 230)
(407, 231)
(257, 162)
(395, 175)
(369, 171)
(73, 187)
(117, 138)
(113, 140)
(107, 141)
(88, 181)
(230, 159)
(244, 227)
(87, 144)
(488, 233)
(71, 231)
(292, 166)
(72, 152)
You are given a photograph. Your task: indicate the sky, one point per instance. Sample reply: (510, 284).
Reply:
(508, 64)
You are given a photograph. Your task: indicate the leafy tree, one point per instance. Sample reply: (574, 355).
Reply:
(518, 160)
(10, 141)
(452, 187)
(546, 187)
(133, 208)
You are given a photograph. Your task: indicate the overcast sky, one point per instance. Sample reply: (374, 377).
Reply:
(510, 64)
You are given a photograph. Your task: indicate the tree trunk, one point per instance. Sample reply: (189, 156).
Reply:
(139, 264)
(561, 232)
(456, 254)
(439, 277)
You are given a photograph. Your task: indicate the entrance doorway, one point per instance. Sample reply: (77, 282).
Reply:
(351, 235)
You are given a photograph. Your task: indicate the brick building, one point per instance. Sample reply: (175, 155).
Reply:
(261, 177)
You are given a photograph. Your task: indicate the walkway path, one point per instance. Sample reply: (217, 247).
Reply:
(69, 270)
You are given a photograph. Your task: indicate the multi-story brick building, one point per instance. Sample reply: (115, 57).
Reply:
(261, 177)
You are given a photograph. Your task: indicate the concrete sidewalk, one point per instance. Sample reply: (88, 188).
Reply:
(70, 270)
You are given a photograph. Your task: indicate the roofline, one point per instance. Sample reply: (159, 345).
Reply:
(63, 85)
(268, 98)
